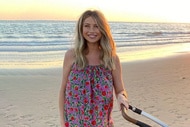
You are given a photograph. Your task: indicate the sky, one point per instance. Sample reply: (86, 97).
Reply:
(114, 10)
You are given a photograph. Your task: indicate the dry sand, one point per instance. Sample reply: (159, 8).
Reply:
(161, 87)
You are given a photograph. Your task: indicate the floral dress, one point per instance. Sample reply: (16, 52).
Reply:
(89, 97)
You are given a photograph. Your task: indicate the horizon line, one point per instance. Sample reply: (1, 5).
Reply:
(66, 20)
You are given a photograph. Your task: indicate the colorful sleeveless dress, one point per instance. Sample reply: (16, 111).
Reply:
(89, 97)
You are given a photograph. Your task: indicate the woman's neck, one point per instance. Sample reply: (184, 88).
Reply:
(93, 55)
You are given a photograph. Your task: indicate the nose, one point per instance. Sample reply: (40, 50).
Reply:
(92, 29)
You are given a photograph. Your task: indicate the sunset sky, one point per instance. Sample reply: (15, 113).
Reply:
(114, 10)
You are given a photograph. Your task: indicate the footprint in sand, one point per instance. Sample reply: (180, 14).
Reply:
(9, 107)
(11, 116)
(28, 118)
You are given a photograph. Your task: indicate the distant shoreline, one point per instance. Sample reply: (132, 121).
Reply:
(125, 56)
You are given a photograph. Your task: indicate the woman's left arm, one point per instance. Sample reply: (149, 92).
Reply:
(119, 87)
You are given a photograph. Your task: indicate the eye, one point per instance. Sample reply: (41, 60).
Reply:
(96, 26)
(86, 25)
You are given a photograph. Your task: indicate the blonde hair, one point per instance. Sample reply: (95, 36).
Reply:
(107, 45)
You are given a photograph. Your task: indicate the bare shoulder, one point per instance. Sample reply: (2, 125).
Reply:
(70, 53)
(116, 60)
(69, 57)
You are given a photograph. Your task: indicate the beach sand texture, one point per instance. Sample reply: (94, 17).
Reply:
(161, 87)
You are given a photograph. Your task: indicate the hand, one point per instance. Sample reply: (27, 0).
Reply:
(122, 99)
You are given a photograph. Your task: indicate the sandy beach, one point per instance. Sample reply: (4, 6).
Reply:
(161, 87)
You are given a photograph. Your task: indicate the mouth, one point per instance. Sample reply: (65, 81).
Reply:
(92, 36)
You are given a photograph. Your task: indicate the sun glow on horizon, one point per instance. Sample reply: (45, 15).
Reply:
(120, 10)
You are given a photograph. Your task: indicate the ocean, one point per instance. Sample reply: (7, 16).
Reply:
(42, 44)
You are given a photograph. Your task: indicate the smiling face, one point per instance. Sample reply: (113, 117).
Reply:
(91, 30)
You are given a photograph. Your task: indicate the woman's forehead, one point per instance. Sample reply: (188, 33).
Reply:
(90, 20)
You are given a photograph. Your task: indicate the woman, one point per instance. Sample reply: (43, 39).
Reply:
(91, 71)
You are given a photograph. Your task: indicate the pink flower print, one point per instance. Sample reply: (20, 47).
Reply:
(103, 93)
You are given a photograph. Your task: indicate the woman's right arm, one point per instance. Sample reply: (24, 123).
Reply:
(67, 63)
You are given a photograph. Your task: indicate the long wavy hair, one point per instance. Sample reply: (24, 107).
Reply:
(106, 43)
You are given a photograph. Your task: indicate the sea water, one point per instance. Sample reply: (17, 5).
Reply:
(41, 44)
